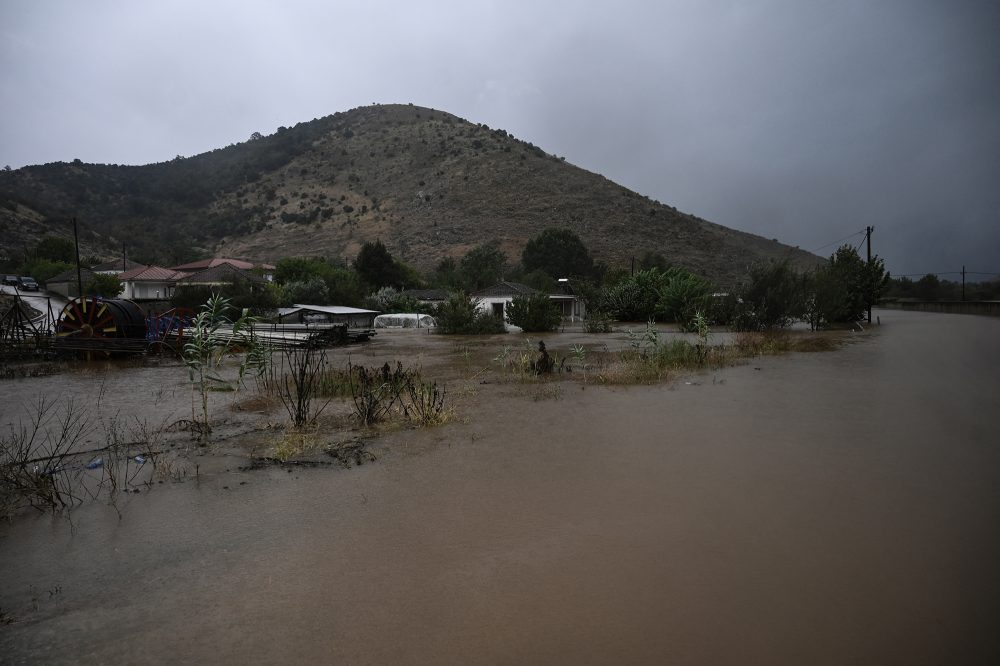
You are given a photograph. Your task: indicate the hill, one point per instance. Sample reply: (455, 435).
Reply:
(425, 182)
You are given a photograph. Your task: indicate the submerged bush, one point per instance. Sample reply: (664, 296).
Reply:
(772, 297)
(598, 322)
(534, 313)
(460, 315)
(673, 294)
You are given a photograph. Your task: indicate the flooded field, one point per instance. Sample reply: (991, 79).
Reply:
(825, 508)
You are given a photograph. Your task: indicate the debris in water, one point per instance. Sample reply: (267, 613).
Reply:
(95, 463)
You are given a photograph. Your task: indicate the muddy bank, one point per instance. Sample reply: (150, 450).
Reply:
(822, 508)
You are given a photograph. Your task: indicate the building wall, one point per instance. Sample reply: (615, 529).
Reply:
(148, 290)
(573, 310)
(487, 304)
(66, 289)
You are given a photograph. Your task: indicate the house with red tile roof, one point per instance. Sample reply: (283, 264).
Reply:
(149, 283)
(219, 275)
(265, 270)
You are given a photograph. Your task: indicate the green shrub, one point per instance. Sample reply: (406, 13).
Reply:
(773, 297)
(460, 315)
(312, 290)
(534, 313)
(672, 294)
(681, 295)
(597, 322)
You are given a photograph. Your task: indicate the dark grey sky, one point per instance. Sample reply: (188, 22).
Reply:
(796, 120)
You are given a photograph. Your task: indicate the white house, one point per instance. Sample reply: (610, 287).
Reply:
(149, 283)
(495, 299)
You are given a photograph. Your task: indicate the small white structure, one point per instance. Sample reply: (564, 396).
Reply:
(405, 320)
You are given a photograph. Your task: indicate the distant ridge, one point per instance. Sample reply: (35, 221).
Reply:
(425, 182)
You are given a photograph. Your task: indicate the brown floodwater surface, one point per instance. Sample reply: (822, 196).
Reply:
(824, 508)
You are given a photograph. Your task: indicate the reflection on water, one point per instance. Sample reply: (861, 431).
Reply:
(823, 508)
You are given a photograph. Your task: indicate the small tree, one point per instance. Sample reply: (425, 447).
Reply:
(446, 274)
(312, 290)
(376, 266)
(104, 285)
(483, 266)
(928, 287)
(772, 297)
(534, 313)
(681, 295)
(843, 290)
(55, 248)
(559, 253)
(633, 297)
(209, 340)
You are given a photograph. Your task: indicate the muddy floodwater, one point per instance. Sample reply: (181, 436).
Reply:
(825, 508)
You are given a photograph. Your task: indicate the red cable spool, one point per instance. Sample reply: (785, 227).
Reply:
(92, 317)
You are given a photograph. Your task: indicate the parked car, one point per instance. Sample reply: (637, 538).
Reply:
(27, 284)
(10, 280)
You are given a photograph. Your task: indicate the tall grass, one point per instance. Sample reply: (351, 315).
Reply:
(650, 359)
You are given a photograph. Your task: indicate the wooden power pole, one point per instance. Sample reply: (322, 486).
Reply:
(868, 236)
(79, 275)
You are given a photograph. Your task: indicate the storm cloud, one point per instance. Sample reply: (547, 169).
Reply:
(801, 121)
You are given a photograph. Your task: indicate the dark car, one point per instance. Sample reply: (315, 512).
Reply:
(10, 280)
(27, 284)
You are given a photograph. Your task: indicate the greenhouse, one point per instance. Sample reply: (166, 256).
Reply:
(405, 320)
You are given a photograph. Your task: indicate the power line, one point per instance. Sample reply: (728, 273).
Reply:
(942, 273)
(840, 241)
(861, 242)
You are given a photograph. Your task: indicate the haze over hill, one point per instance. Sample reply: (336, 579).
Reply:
(428, 184)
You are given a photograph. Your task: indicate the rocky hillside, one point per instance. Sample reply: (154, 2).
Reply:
(428, 184)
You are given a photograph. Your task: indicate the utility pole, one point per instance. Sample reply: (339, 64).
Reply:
(868, 236)
(79, 275)
(963, 283)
